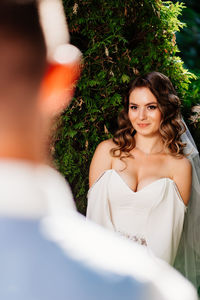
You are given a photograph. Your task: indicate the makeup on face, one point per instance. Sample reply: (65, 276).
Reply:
(144, 112)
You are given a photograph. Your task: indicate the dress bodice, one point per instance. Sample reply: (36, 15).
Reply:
(152, 216)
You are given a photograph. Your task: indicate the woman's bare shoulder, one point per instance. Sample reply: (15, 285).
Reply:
(106, 145)
(181, 164)
(181, 172)
(101, 161)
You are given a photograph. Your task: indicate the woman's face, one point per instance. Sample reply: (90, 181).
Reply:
(144, 114)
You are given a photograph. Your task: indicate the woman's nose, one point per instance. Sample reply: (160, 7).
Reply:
(142, 113)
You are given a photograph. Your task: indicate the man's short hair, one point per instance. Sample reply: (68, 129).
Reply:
(19, 23)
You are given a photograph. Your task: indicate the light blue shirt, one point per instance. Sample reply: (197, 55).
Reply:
(34, 268)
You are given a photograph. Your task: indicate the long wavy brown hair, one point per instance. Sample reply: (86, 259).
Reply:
(171, 126)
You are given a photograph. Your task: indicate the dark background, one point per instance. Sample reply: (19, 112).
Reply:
(188, 39)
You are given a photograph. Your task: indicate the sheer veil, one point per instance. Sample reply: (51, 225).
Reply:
(188, 256)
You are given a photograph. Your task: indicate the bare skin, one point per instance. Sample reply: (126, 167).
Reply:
(20, 125)
(24, 130)
(149, 162)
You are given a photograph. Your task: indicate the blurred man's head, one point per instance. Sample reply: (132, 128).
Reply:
(23, 63)
(22, 66)
(22, 52)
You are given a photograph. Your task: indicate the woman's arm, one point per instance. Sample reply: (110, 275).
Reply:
(101, 161)
(182, 175)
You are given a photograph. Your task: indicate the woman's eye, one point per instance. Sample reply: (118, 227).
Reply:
(152, 107)
(133, 107)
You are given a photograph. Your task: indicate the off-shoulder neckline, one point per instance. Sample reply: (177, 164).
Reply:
(144, 188)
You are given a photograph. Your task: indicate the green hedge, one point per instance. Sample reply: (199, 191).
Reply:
(118, 39)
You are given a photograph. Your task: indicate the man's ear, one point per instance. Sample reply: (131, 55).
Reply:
(64, 59)
(59, 81)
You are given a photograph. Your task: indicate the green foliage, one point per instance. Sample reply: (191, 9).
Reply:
(118, 39)
(188, 38)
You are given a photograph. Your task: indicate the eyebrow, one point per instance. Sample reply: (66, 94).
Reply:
(131, 103)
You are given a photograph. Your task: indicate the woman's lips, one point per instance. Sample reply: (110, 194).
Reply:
(143, 125)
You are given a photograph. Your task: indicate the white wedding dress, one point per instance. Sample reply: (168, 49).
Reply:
(152, 216)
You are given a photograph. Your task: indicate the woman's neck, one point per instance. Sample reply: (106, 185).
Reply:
(149, 144)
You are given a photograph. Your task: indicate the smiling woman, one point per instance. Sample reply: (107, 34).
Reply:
(141, 180)
(152, 101)
(144, 114)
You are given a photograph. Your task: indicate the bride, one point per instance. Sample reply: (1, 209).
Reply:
(140, 181)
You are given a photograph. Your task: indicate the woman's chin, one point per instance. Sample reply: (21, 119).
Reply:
(148, 132)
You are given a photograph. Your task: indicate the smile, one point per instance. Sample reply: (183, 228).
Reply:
(143, 125)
